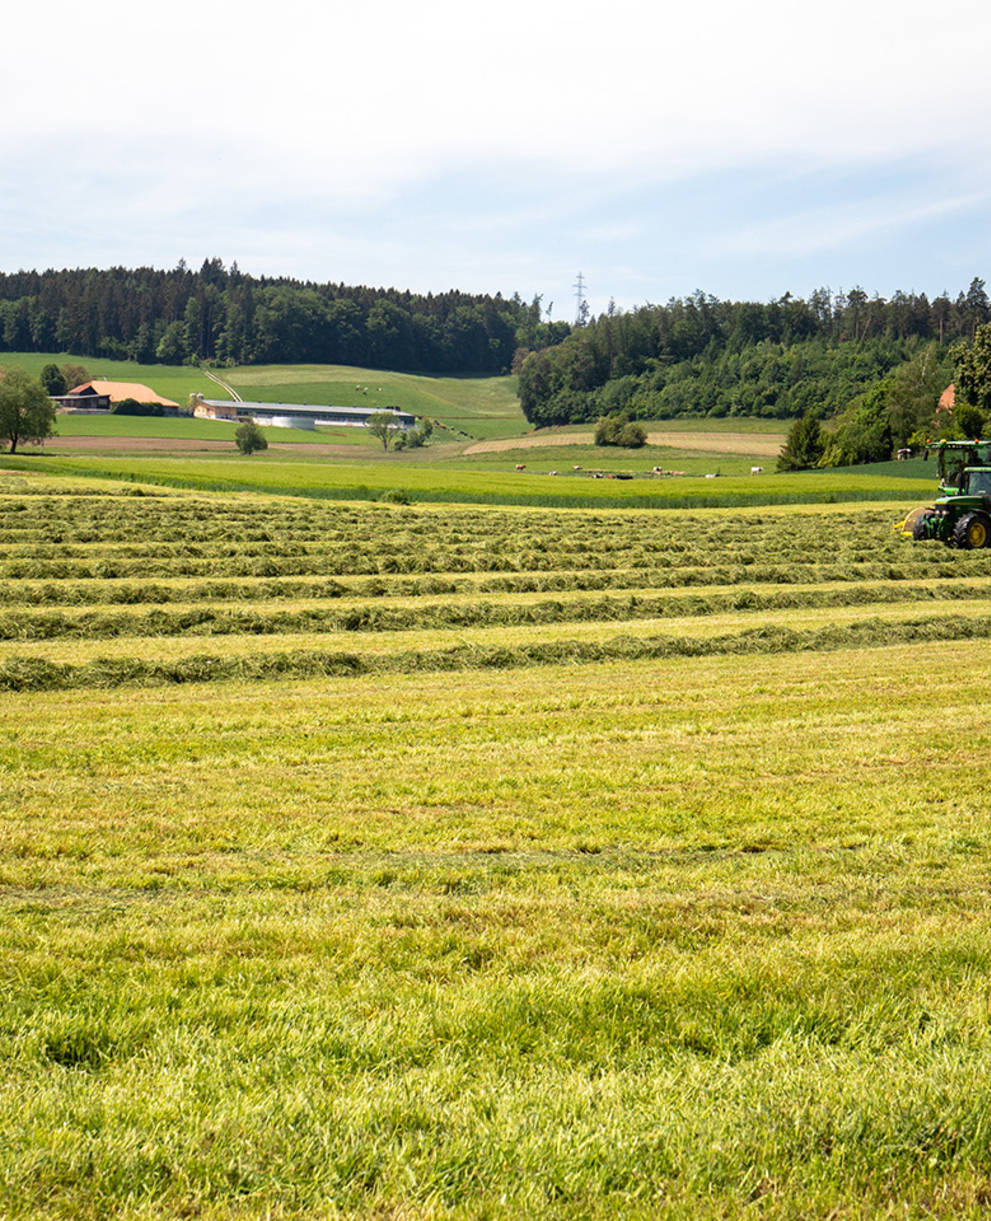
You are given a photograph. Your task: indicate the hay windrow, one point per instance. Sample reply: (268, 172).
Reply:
(156, 568)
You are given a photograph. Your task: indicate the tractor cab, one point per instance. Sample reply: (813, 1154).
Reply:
(976, 482)
(953, 458)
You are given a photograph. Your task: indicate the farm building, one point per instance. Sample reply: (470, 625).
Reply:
(101, 396)
(215, 409)
(297, 415)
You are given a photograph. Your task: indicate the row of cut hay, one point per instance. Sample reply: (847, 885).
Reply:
(936, 565)
(646, 538)
(188, 518)
(221, 620)
(373, 560)
(34, 674)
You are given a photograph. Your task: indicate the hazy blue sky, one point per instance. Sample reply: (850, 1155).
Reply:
(747, 150)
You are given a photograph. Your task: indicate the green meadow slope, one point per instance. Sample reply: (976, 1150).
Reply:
(474, 406)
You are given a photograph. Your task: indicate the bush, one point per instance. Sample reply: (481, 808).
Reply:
(133, 407)
(248, 437)
(619, 429)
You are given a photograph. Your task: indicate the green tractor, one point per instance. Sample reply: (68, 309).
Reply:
(961, 516)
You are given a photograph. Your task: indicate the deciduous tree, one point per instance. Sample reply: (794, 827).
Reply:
(75, 375)
(249, 438)
(53, 380)
(26, 411)
(382, 426)
(973, 380)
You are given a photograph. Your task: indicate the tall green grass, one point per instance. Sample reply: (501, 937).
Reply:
(433, 484)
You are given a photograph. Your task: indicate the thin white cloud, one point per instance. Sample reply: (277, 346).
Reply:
(350, 99)
(822, 229)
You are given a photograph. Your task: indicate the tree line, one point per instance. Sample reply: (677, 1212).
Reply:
(906, 408)
(222, 315)
(702, 356)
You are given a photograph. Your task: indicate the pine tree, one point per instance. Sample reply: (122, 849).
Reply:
(804, 446)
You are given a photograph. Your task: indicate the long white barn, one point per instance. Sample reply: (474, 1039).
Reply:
(298, 415)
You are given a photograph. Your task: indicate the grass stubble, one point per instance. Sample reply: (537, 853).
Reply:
(660, 936)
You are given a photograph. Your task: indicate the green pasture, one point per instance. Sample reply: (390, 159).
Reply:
(546, 458)
(439, 861)
(176, 382)
(275, 472)
(113, 427)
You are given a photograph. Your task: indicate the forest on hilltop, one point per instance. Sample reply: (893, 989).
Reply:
(870, 369)
(705, 357)
(223, 316)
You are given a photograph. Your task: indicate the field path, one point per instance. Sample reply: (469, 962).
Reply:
(760, 445)
(224, 385)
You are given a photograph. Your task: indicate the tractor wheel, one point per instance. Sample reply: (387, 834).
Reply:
(972, 531)
(920, 527)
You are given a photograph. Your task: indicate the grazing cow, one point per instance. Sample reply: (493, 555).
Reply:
(521, 466)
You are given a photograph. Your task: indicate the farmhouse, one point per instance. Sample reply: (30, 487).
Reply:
(297, 415)
(100, 396)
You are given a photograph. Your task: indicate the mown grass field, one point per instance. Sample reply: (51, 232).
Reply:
(435, 861)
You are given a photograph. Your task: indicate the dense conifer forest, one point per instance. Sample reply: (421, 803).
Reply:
(703, 356)
(221, 315)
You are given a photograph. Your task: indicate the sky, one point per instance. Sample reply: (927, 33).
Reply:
(747, 150)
